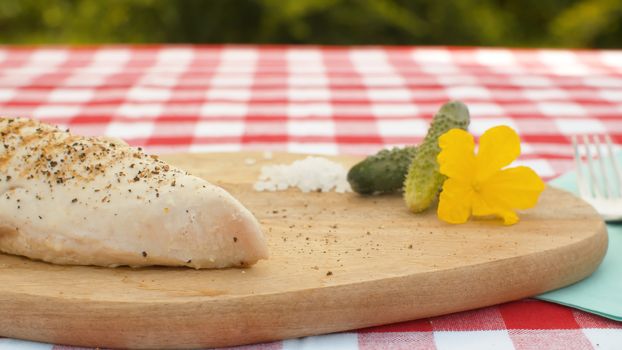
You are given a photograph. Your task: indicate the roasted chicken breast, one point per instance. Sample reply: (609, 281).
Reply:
(76, 200)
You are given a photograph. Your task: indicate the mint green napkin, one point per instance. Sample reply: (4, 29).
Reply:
(600, 293)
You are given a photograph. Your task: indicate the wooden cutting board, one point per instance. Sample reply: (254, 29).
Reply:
(338, 262)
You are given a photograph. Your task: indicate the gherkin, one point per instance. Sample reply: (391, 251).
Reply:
(424, 180)
(383, 172)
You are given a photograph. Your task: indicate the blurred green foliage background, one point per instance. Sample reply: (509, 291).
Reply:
(530, 23)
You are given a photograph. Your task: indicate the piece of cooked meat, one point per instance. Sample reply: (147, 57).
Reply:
(77, 200)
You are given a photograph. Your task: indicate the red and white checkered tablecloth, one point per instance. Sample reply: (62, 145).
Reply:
(337, 100)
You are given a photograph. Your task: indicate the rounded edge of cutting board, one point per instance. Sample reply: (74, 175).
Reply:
(236, 320)
(264, 318)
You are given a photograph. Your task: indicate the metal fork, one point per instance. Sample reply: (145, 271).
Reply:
(601, 188)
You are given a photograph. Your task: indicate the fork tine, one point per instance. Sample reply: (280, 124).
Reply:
(581, 182)
(590, 168)
(607, 190)
(617, 177)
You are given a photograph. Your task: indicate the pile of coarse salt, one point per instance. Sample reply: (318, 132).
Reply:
(309, 174)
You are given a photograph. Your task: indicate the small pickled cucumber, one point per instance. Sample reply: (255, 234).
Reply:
(423, 180)
(383, 172)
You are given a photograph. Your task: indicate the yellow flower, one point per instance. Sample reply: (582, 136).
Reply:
(477, 184)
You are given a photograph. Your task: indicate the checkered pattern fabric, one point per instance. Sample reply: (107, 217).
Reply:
(314, 99)
(522, 325)
(330, 100)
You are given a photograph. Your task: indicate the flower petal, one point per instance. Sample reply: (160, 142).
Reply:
(454, 205)
(457, 158)
(506, 190)
(486, 206)
(516, 188)
(509, 217)
(498, 147)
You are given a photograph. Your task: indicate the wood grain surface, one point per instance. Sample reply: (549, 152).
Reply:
(338, 262)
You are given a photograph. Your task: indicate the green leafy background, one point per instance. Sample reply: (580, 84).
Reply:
(514, 23)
